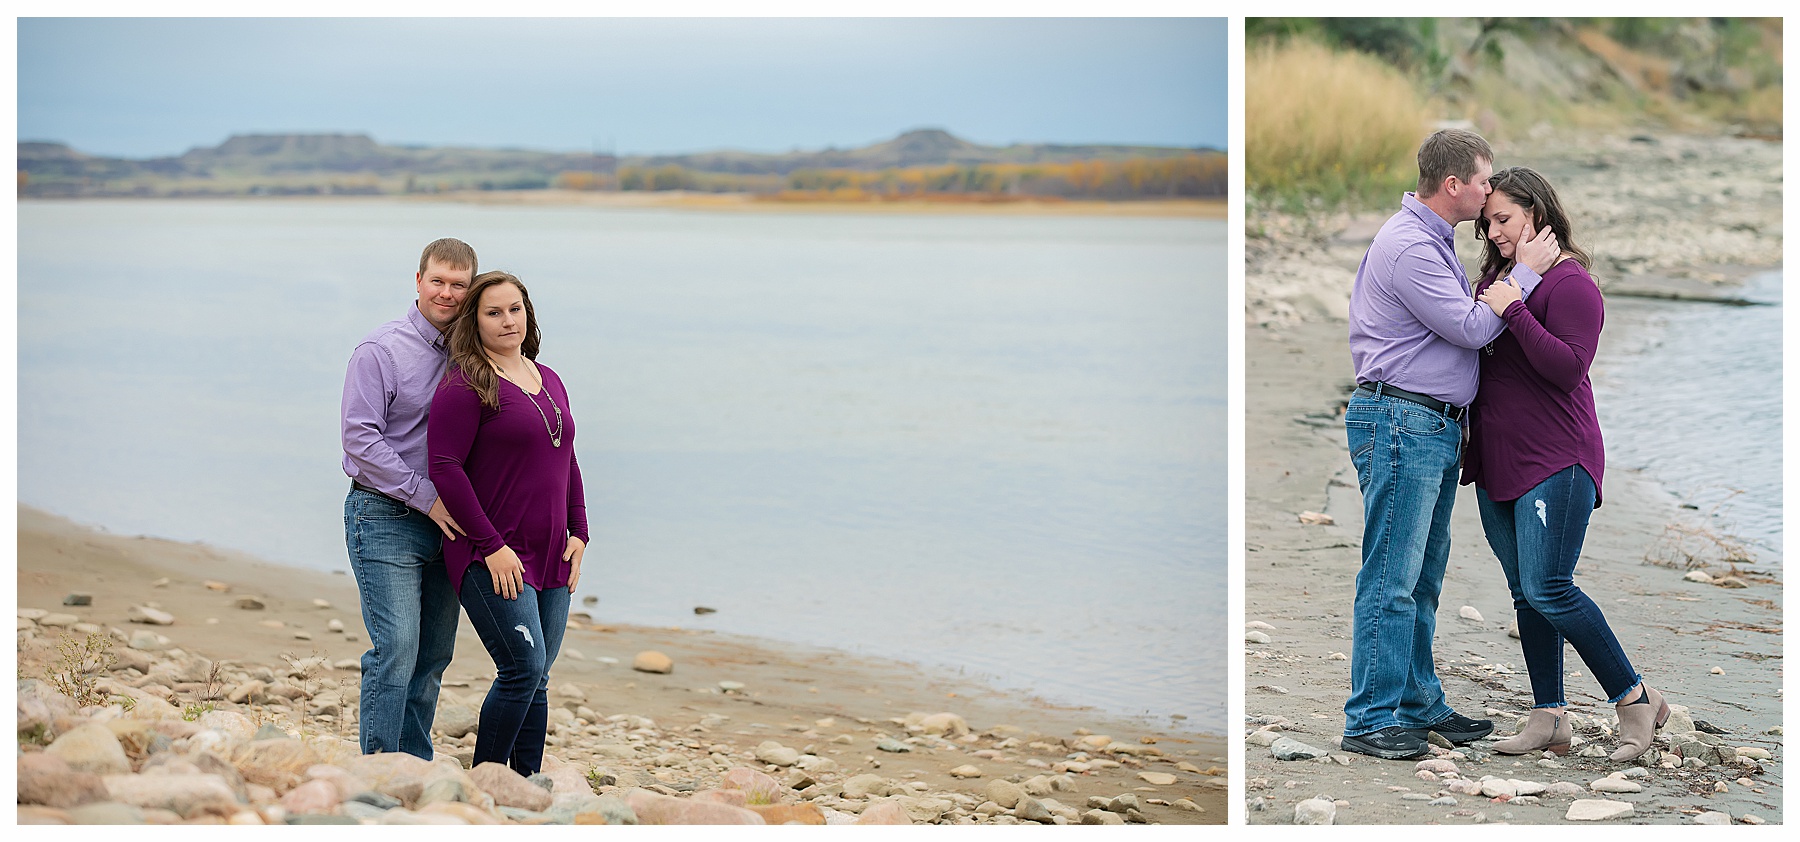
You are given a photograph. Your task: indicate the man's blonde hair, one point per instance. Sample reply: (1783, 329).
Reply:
(1450, 152)
(451, 252)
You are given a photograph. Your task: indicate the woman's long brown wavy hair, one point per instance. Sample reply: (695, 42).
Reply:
(1534, 194)
(466, 351)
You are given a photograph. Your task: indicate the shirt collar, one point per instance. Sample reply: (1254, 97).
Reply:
(1433, 223)
(427, 330)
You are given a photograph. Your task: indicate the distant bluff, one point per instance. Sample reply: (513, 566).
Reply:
(306, 146)
(356, 163)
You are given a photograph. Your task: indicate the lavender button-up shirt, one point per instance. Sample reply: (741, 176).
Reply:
(393, 373)
(1414, 321)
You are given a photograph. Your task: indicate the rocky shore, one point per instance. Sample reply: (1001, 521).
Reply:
(167, 683)
(1666, 216)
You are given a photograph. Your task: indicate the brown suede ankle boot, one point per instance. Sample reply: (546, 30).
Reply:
(1638, 721)
(1547, 730)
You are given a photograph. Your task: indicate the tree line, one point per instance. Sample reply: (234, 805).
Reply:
(1187, 176)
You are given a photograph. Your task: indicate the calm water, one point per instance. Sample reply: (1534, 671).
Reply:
(992, 444)
(1691, 393)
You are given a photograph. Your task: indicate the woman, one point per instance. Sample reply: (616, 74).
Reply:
(502, 455)
(1536, 458)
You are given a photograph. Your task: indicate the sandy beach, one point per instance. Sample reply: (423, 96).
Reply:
(1714, 648)
(726, 700)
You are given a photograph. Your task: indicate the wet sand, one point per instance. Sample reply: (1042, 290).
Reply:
(1300, 578)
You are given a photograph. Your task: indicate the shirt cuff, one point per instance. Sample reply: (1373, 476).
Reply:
(1525, 278)
(422, 495)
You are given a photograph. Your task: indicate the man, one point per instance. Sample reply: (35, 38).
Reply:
(394, 524)
(1415, 331)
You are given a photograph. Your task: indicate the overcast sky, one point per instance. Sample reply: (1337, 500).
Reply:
(149, 87)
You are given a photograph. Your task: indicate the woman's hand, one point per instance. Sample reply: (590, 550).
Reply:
(1501, 294)
(508, 572)
(572, 555)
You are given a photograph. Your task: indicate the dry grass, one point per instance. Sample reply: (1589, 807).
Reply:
(1709, 540)
(1328, 125)
(79, 666)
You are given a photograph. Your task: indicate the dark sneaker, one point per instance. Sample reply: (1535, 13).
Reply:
(1390, 743)
(1456, 728)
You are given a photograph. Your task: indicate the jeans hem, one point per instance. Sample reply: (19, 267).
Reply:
(1638, 680)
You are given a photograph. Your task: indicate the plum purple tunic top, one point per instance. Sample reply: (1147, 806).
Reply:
(501, 478)
(1534, 414)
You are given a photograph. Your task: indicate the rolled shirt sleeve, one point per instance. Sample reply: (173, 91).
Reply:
(1442, 301)
(370, 385)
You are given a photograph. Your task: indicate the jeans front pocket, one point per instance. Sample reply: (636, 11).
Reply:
(371, 506)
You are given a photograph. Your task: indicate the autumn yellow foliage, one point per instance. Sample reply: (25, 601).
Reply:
(1328, 124)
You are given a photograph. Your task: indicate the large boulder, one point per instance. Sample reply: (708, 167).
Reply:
(866, 785)
(1005, 793)
(884, 812)
(652, 808)
(757, 787)
(604, 809)
(235, 726)
(153, 708)
(945, 723)
(91, 748)
(653, 661)
(39, 707)
(455, 718)
(185, 795)
(279, 764)
(509, 788)
(396, 774)
(789, 813)
(314, 797)
(346, 784)
(776, 754)
(47, 779)
(565, 777)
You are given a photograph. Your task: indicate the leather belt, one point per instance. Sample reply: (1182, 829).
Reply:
(357, 486)
(1450, 410)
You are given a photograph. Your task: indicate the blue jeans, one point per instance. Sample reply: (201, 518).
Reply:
(523, 635)
(409, 610)
(1538, 540)
(1406, 457)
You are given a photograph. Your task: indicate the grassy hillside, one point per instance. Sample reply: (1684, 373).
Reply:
(1371, 82)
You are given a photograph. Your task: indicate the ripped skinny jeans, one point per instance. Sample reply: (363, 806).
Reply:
(523, 636)
(1538, 540)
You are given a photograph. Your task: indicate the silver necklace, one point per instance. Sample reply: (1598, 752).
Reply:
(556, 437)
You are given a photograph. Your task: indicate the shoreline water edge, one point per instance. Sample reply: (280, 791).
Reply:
(1707, 632)
(241, 679)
